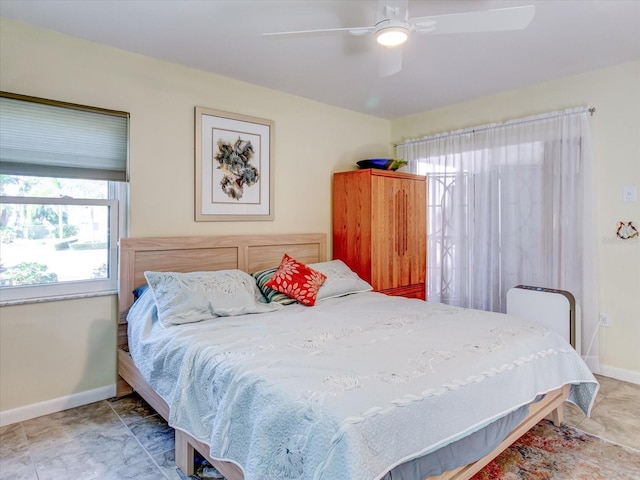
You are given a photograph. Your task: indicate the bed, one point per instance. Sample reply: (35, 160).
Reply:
(374, 323)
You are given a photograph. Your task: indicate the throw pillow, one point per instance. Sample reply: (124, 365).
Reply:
(297, 280)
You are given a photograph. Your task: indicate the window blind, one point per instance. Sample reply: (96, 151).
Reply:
(45, 138)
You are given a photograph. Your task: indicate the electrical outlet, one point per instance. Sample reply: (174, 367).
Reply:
(604, 320)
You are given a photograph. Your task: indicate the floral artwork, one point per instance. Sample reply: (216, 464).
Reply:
(234, 161)
(234, 156)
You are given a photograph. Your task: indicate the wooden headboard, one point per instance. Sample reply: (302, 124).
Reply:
(249, 253)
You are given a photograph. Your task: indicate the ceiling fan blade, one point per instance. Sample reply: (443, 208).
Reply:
(390, 61)
(351, 30)
(499, 19)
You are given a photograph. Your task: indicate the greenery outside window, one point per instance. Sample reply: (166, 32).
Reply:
(63, 198)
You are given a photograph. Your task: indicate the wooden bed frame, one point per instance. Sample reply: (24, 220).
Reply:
(250, 254)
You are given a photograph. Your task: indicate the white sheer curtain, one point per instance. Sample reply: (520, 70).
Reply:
(511, 204)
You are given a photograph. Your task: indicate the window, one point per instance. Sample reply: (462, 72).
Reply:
(458, 190)
(505, 207)
(63, 198)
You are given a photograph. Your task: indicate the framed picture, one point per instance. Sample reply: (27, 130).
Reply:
(234, 167)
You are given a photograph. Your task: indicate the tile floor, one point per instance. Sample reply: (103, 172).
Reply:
(125, 439)
(615, 415)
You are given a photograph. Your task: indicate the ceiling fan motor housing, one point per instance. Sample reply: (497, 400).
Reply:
(392, 25)
(391, 35)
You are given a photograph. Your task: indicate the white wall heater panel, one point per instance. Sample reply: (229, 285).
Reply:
(555, 309)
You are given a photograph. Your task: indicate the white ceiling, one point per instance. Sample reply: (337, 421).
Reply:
(225, 37)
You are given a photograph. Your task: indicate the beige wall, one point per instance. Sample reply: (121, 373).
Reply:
(615, 93)
(56, 349)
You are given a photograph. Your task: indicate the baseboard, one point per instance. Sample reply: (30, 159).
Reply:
(620, 374)
(20, 414)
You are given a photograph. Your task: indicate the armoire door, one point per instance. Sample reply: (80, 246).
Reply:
(398, 238)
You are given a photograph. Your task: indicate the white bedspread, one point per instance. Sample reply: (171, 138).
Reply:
(350, 388)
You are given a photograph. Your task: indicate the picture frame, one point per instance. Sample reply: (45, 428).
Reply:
(234, 167)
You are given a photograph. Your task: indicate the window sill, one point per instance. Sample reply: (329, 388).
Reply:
(57, 298)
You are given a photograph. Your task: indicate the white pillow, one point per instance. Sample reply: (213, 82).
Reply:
(195, 296)
(341, 280)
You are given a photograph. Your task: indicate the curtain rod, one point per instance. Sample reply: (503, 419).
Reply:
(482, 128)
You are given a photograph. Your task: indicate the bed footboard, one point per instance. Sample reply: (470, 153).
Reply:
(551, 405)
(186, 445)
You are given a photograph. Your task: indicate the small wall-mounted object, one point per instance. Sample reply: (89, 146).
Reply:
(626, 230)
(630, 193)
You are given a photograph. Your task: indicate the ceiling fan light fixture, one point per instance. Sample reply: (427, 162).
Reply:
(392, 36)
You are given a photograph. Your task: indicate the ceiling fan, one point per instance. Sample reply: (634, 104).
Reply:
(392, 27)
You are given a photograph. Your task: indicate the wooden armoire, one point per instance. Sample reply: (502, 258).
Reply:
(380, 228)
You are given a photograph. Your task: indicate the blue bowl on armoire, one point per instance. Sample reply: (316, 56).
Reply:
(382, 163)
(379, 163)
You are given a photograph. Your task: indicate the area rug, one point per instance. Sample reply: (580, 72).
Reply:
(548, 452)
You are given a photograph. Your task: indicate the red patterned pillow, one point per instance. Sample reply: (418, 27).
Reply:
(296, 280)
